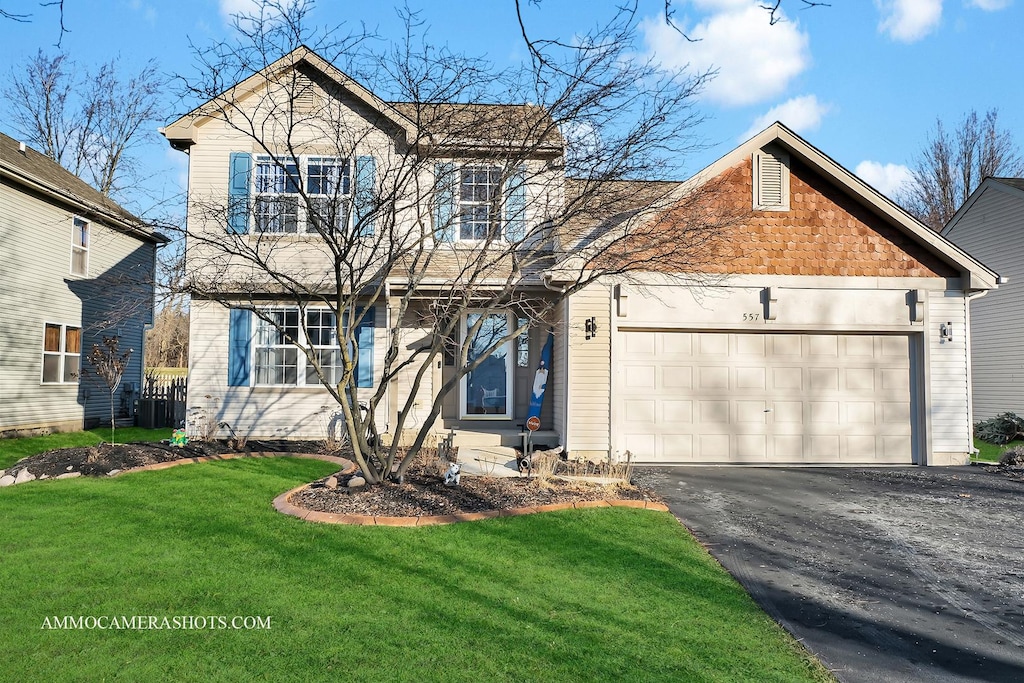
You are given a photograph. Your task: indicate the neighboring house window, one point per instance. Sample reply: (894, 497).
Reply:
(62, 349)
(479, 202)
(278, 199)
(80, 247)
(771, 181)
(278, 360)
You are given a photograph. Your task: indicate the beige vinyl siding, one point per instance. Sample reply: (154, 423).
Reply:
(559, 369)
(589, 376)
(990, 231)
(260, 412)
(35, 262)
(949, 409)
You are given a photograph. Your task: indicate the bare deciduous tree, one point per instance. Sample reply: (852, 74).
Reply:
(953, 164)
(89, 124)
(109, 363)
(587, 130)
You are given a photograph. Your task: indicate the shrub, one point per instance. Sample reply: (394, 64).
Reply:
(1001, 429)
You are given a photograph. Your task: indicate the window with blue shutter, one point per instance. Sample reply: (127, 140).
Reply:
(239, 342)
(239, 184)
(515, 206)
(366, 195)
(445, 202)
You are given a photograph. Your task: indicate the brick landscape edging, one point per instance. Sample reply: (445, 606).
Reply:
(282, 505)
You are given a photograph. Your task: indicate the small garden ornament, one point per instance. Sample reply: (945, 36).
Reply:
(453, 475)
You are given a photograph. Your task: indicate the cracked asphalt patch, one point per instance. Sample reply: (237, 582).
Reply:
(896, 574)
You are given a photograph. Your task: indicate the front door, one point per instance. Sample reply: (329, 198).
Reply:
(486, 392)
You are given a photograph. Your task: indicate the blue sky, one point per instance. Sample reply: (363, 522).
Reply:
(863, 80)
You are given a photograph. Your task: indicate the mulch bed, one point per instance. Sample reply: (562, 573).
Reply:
(101, 460)
(421, 494)
(425, 495)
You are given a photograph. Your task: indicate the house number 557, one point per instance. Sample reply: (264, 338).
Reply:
(751, 317)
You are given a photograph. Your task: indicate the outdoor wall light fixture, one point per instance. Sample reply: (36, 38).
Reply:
(946, 331)
(590, 326)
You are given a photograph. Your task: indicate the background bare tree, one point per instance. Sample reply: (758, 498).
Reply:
(90, 123)
(953, 164)
(591, 110)
(167, 341)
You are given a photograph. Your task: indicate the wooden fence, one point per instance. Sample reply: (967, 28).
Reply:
(162, 403)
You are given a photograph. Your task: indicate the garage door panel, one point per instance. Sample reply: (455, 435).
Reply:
(770, 398)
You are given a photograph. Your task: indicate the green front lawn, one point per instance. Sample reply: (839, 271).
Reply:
(989, 452)
(586, 595)
(13, 450)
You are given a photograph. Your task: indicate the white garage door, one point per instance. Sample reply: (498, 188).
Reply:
(763, 398)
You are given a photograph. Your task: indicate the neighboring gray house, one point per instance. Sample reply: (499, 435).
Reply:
(989, 226)
(76, 267)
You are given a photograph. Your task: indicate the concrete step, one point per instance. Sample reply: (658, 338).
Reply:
(484, 436)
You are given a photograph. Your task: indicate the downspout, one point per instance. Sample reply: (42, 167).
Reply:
(968, 296)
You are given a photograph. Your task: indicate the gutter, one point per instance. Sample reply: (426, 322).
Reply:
(105, 214)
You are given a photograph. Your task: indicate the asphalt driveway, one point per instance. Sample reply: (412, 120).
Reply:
(899, 574)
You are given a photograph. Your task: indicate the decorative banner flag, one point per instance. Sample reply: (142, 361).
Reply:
(540, 383)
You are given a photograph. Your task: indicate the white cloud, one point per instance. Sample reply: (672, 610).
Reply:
(229, 8)
(802, 114)
(886, 178)
(989, 5)
(755, 60)
(909, 20)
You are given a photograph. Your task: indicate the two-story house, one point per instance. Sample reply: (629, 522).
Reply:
(76, 268)
(829, 326)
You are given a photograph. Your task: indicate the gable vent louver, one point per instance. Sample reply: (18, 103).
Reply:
(771, 186)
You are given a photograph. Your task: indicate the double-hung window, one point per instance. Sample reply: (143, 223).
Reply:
(479, 202)
(278, 336)
(328, 185)
(277, 356)
(62, 354)
(279, 206)
(80, 247)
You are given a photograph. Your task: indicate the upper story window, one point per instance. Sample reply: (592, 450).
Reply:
(278, 200)
(479, 202)
(80, 247)
(62, 354)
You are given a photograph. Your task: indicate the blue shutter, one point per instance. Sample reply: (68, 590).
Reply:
(444, 202)
(364, 338)
(515, 206)
(239, 342)
(365, 194)
(239, 182)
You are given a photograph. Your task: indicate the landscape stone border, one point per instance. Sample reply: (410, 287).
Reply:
(282, 505)
(347, 466)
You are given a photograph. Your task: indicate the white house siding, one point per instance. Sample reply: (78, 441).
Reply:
(949, 405)
(814, 309)
(259, 412)
(990, 231)
(35, 260)
(589, 373)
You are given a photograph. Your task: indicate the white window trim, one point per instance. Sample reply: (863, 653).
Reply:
(62, 354)
(756, 162)
(302, 164)
(75, 248)
(302, 363)
(498, 221)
